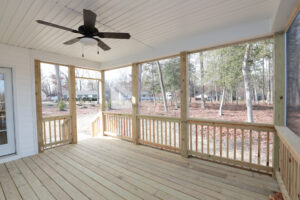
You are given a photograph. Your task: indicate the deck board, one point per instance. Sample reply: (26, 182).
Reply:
(107, 168)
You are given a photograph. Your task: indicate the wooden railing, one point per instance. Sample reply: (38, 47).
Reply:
(243, 144)
(118, 125)
(96, 126)
(161, 132)
(56, 131)
(288, 174)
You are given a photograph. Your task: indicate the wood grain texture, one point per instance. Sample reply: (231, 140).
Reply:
(184, 102)
(106, 168)
(72, 91)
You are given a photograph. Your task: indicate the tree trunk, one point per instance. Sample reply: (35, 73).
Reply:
(98, 92)
(269, 80)
(140, 83)
(255, 96)
(247, 84)
(216, 94)
(176, 102)
(263, 82)
(202, 80)
(231, 95)
(59, 89)
(162, 86)
(236, 97)
(222, 102)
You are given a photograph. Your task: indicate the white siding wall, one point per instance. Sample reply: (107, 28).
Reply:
(22, 63)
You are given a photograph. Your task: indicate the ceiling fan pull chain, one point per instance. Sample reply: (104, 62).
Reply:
(82, 51)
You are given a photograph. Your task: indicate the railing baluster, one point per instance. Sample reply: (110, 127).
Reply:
(250, 146)
(214, 139)
(221, 138)
(191, 139)
(179, 134)
(45, 138)
(202, 142)
(243, 142)
(234, 150)
(207, 139)
(161, 132)
(259, 147)
(165, 132)
(175, 145)
(170, 138)
(153, 130)
(50, 134)
(227, 143)
(196, 137)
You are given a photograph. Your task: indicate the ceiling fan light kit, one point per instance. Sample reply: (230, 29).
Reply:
(91, 35)
(86, 41)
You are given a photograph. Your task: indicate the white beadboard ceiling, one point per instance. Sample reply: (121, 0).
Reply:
(151, 23)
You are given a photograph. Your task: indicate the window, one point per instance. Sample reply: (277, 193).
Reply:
(118, 90)
(159, 88)
(223, 86)
(293, 76)
(55, 90)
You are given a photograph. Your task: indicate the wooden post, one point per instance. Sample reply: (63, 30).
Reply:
(38, 99)
(102, 101)
(279, 92)
(72, 101)
(135, 103)
(184, 102)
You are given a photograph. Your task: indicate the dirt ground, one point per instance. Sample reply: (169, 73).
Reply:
(262, 113)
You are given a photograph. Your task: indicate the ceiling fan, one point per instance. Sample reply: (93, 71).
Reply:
(89, 32)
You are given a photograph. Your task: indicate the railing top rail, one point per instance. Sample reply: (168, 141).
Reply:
(244, 125)
(290, 140)
(117, 113)
(56, 117)
(159, 117)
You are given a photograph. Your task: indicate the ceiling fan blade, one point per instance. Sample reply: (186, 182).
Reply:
(89, 18)
(113, 35)
(72, 41)
(56, 26)
(102, 45)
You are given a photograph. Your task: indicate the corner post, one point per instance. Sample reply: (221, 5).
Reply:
(135, 103)
(72, 100)
(184, 102)
(102, 101)
(38, 99)
(279, 92)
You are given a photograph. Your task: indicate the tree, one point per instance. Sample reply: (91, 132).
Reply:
(171, 76)
(202, 80)
(59, 88)
(162, 86)
(248, 95)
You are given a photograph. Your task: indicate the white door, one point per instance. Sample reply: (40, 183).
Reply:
(7, 135)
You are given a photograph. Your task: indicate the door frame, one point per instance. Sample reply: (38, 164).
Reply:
(10, 147)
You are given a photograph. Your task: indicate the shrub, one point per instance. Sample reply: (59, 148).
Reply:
(61, 106)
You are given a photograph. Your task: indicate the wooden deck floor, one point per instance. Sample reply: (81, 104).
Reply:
(106, 168)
